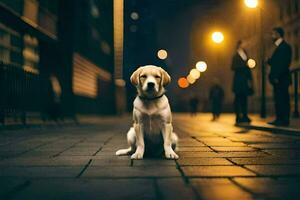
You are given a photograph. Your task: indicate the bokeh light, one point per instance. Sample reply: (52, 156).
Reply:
(183, 83)
(251, 3)
(190, 79)
(251, 63)
(195, 74)
(201, 66)
(162, 54)
(217, 37)
(134, 16)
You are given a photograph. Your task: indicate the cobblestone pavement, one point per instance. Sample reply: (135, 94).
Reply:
(217, 161)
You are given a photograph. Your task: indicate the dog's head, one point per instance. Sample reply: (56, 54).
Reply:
(150, 80)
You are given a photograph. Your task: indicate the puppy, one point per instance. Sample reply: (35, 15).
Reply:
(152, 129)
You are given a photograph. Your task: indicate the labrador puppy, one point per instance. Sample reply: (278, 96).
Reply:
(152, 129)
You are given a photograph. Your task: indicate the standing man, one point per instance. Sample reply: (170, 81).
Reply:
(242, 83)
(280, 78)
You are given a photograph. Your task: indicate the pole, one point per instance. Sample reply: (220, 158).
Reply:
(263, 68)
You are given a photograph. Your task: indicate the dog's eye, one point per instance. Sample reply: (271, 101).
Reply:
(157, 76)
(143, 76)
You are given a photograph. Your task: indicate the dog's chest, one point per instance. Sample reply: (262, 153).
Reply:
(152, 124)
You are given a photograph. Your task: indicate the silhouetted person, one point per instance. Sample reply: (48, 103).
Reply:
(194, 105)
(280, 78)
(242, 83)
(53, 108)
(216, 97)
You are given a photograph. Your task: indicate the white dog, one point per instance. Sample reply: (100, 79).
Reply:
(152, 120)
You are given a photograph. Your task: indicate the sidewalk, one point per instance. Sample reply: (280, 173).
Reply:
(262, 124)
(217, 161)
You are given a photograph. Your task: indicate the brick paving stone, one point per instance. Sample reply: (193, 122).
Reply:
(110, 161)
(224, 144)
(174, 189)
(83, 189)
(203, 161)
(242, 154)
(193, 143)
(275, 170)
(284, 153)
(276, 146)
(44, 161)
(262, 140)
(270, 188)
(218, 188)
(194, 148)
(40, 172)
(7, 185)
(215, 171)
(195, 154)
(230, 149)
(264, 161)
(131, 172)
(154, 162)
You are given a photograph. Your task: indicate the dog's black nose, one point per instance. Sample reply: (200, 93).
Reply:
(150, 85)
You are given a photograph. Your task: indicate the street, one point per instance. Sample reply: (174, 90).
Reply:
(217, 161)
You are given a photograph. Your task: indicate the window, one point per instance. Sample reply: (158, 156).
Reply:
(10, 46)
(30, 52)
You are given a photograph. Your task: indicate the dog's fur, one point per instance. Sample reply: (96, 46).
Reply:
(152, 116)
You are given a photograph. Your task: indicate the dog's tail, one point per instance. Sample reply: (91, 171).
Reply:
(124, 152)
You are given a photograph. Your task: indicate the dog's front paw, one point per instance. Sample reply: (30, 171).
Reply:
(137, 155)
(170, 154)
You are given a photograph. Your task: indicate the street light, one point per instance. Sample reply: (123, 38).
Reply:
(251, 3)
(217, 37)
(201, 66)
(254, 4)
(162, 54)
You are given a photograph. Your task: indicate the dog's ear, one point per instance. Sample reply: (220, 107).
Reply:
(166, 79)
(134, 79)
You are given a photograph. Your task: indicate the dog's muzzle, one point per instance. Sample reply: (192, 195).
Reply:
(150, 86)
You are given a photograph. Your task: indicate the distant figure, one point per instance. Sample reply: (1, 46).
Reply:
(242, 83)
(216, 97)
(194, 102)
(53, 108)
(280, 78)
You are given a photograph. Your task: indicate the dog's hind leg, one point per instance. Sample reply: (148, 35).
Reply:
(131, 142)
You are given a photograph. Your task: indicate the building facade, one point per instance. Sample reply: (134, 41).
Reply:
(72, 41)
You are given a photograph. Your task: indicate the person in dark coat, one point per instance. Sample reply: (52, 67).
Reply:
(194, 101)
(242, 83)
(280, 78)
(216, 97)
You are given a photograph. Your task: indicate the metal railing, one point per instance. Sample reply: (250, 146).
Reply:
(295, 76)
(20, 92)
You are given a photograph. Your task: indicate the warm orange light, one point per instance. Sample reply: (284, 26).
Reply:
(251, 63)
(251, 3)
(195, 74)
(201, 66)
(217, 37)
(190, 79)
(183, 83)
(162, 54)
